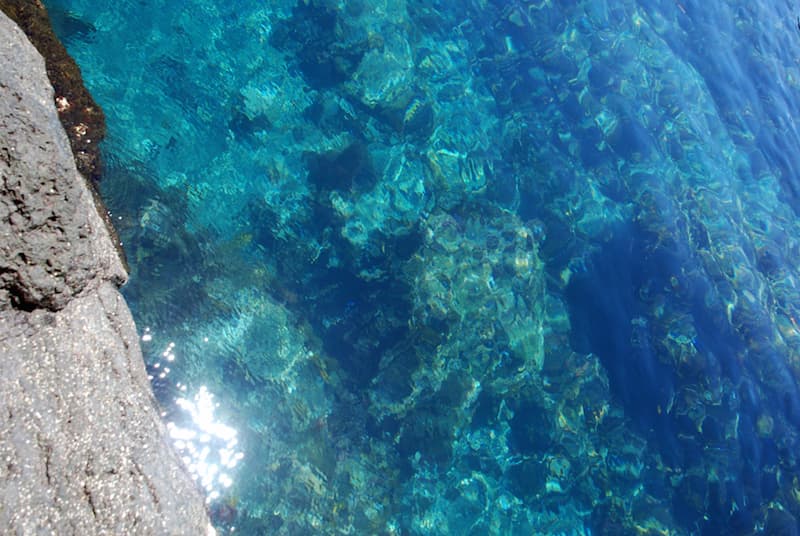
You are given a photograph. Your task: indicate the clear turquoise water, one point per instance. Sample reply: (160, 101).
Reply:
(463, 267)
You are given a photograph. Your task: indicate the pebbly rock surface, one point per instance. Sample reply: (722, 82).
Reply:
(82, 447)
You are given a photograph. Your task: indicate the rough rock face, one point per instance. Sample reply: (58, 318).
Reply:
(82, 118)
(82, 447)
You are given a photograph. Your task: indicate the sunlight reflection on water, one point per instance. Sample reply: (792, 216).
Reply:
(208, 447)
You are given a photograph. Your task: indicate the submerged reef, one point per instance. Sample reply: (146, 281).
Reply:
(452, 272)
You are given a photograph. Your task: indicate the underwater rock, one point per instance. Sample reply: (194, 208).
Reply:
(385, 77)
(83, 445)
(314, 34)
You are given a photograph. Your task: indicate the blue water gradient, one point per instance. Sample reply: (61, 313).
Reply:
(483, 267)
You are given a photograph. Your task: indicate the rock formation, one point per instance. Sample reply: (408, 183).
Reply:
(82, 447)
(82, 118)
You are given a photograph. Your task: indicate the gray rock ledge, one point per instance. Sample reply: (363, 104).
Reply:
(82, 447)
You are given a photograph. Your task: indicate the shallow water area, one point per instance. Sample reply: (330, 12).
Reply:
(463, 268)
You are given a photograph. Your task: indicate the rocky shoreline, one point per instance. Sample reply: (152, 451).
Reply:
(82, 118)
(83, 446)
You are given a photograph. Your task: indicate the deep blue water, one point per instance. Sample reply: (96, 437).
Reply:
(484, 267)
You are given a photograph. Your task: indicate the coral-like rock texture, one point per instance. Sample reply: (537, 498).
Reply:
(82, 446)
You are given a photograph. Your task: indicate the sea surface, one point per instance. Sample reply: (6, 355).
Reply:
(463, 267)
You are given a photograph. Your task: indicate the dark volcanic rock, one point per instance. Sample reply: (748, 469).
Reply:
(46, 254)
(83, 449)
